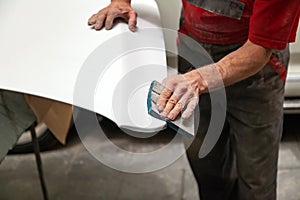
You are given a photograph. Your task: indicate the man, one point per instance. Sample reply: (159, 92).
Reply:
(248, 41)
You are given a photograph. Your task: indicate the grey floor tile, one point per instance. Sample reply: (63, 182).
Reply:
(289, 155)
(289, 184)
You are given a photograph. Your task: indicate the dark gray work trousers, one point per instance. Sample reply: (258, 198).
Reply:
(15, 118)
(243, 163)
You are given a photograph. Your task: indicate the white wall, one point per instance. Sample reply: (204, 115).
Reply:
(295, 47)
(169, 14)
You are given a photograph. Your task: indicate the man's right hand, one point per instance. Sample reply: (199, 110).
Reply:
(117, 9)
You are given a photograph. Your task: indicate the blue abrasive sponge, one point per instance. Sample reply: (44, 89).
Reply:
(183, 126)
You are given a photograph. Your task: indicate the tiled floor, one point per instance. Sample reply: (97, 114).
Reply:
(289, 160)
(72, 173)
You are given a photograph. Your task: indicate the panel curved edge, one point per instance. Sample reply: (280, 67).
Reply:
(44, 56)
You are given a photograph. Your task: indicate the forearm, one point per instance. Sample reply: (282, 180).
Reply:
(183, 91)
(121, 1)
(236, 66)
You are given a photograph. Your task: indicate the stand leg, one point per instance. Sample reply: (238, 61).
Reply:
(38, 159)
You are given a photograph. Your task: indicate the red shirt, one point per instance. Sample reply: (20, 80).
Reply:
(269, 23)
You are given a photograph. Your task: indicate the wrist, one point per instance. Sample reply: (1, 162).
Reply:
(121, 1)
(212, 75)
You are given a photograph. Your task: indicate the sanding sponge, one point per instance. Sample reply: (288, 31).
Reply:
(184, 126)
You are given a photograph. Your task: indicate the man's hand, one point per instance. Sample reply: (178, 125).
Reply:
(183, 90)
(181, 93)
(117, 9)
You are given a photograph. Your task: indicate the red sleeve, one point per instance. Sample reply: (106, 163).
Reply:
(274, 23)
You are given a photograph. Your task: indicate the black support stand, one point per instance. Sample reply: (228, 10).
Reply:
(38, 159)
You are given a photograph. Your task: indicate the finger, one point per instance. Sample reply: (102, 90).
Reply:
(179, 106)
(163, 98)
(190, 108)
(132, 21)
(178, 93)
(110, 20)
(92, 19)
(99, 21)
(169, 106)
(175, 111)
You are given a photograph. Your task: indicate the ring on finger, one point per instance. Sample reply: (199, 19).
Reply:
(172, 101)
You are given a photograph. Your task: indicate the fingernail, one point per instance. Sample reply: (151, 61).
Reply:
(185, 115)
(132, 28)
(98, 26)
(109, 26)
(171, 116)
(160, 108)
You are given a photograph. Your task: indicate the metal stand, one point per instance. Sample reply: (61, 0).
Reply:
(38, 159)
